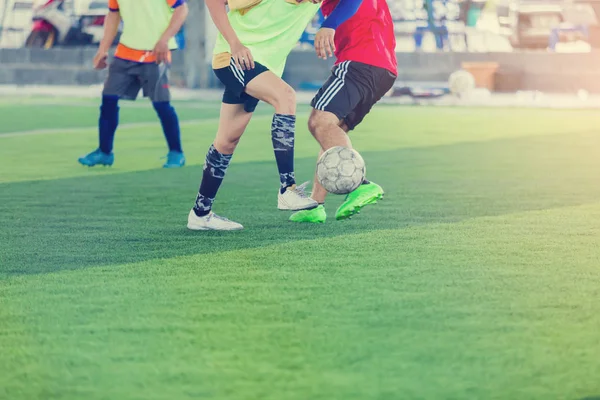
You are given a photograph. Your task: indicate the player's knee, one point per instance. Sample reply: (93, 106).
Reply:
(313, 124)
(285, 101)
(163, 107)
(109, 103)
(318, 124)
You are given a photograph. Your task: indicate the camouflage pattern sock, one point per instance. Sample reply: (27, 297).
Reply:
(214, 171)
(282, 134)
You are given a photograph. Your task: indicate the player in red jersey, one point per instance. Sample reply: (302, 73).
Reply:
(361, 35)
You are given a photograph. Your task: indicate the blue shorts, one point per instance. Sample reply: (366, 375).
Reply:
(235, 81)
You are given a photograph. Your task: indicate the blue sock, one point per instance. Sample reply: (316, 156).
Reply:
(282, 135)
(108, 122)
(170, 124)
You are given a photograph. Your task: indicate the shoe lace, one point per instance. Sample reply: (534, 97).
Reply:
(215, 216)
(302, 189)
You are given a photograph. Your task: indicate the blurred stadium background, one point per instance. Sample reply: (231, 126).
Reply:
(510, 45)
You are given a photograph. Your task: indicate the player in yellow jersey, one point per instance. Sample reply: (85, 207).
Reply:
(141, 62)
(256, 36)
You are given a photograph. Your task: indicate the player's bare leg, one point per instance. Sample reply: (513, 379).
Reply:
(232, 124)
(233, 121)
(330, 132)
(327, 128)
(274, 91)
(320, 124)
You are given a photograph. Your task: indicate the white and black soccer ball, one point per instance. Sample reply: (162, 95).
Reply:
(341, 170)
(461, 82)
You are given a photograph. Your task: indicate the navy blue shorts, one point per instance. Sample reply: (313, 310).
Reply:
(235, 81)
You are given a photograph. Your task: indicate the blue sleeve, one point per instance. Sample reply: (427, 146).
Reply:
(342, 12)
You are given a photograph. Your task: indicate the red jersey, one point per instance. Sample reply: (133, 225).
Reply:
(367, 37)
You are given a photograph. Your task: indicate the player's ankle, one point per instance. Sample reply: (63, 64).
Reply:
(201, 213)
(285, 187)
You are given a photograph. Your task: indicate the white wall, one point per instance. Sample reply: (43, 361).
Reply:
(16, 21)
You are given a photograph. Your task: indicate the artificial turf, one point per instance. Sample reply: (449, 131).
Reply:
(478, 276)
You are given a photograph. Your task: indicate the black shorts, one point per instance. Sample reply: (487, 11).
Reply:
(126, 78)
(352, 90)
(235, 81)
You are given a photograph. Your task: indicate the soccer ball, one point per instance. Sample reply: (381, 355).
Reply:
(340, 170)
(461, 82)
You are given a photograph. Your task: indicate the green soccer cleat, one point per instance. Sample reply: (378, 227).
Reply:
(315, 215)
(364, 195)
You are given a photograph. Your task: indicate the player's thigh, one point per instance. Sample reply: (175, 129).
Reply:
(258, 83)
(271, 89)
(322, 120)
(121, 82)
(155, 81)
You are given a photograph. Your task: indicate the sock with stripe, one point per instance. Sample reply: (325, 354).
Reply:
(108, 122)
(170, 124)
(282, 135)
(215, 168)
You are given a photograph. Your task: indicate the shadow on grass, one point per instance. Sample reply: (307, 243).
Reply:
(105, 220)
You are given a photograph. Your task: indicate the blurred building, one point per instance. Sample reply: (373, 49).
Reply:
(434, 39)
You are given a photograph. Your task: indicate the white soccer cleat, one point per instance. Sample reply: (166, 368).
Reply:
(211, 222)
(296, 199)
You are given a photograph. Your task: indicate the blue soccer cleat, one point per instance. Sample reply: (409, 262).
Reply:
(175, 159)
(97, 157)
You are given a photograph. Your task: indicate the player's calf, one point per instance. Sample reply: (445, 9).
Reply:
(170, 124)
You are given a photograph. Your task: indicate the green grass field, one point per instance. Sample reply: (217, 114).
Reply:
(478, 276)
